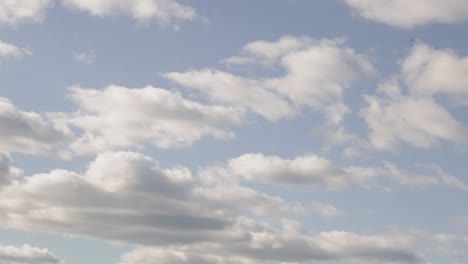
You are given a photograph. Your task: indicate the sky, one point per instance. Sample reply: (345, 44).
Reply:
(233, 132)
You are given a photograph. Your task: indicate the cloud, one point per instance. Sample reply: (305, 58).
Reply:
(120, 117)
(318, 172)
(174, 215)
(13, 12)
(317, 73)
(85, 57)
(26, 255)
(165, 12)
(125, 196)
(227, 88)
(410, 14)
(307, 170)
(292, 244)
(394, 116)
(428, 71)
(29, 132)
(9, 51)
(8, 173)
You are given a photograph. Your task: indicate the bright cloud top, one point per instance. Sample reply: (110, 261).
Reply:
(117, 117)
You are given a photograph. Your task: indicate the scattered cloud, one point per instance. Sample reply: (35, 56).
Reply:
(29, 132)
(164, 12)
(317, 73)
(394, 116)
(27, 255)
(118, 117)
(9, 51)
(88, 57)
(13, 12)
(410, 14)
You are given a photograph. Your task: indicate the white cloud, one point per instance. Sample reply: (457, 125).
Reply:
(14, 12)
(8, 51)
(26, 255)
(317, 73)
(117, 117)
(28, 132)
(227, 88)
(8, 173)
(125, 196)
(400, 120)
(319, 172)
(394, 116)
(88, 57)
(291, 244)
(163, 11)
(308, 170)
(427, 71)
(410, 14)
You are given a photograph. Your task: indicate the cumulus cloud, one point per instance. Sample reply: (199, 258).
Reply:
(318, 172)
(14, 12)
(311, 170)
(29, 132)
(394, 116)
(162, 11)
(26, 255)
(116, 117)
(410, 14)
(8, 173)
(179, 217)
(125, 196)
(291, 244)
(317, 73)
(224, 87)
(428, 71)
(8, 51)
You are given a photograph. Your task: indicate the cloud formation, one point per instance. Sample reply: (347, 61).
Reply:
(119, 117)
(9, 51)
(410, 14)
(27, 254)
(13, 12)
(317, 73)
(29, 132)
(165, 12)
(394, 116)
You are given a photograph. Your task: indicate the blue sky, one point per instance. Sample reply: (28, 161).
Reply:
(233, 132)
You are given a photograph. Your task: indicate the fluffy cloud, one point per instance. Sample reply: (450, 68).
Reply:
(410, 14)
(126, 196)
(26, 255)
(394, 116)
(8, 173)
(10, 51)
(319, 172)
(427, 71)
(23, 11)
(317, 73)
(163, 11)
(309, 170)
(117, 117)
(177, 216)
(292, 244)
(224, 87)
(28, 132)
